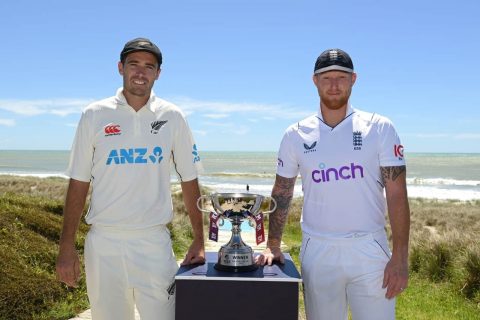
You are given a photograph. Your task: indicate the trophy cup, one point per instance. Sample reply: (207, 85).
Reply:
(236, 256)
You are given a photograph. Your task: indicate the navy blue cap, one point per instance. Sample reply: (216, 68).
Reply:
(333, 59)
(141, 44)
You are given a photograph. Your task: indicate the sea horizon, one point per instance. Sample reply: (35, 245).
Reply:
(445, 175)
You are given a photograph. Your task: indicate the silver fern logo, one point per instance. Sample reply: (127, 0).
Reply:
(156, 125)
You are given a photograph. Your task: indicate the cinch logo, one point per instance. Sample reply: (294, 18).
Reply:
(310, 148)
(398, 151)
(344, 173)
(196, 156)
(134, 156)
(112, 130)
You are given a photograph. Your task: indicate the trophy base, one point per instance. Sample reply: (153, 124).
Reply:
(221, 267)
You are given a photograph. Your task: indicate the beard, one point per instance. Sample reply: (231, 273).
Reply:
(335, 102)
(139, 91)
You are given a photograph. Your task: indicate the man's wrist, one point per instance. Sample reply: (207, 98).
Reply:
(273, 243)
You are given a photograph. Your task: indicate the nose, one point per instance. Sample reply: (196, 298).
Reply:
(140, 70)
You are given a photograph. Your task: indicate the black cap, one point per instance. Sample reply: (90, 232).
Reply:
(333, 59)
(141, 44)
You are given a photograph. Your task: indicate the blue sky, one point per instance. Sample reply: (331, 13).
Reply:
(241, 70)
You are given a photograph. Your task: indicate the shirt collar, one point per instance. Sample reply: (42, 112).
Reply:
(123, 101)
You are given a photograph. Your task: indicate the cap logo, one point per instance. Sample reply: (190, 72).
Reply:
(333, 54)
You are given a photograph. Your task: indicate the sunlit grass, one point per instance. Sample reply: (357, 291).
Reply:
(444, 254)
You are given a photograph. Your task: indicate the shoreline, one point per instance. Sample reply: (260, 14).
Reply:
(433, 194)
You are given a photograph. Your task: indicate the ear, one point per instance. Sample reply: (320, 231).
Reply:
(315, 79)
(354, 78)
(120, 68)
(158, 73)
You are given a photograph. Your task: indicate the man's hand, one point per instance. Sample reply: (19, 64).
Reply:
(195, 254)
(269, 255)
(395, 277)
(68, 266)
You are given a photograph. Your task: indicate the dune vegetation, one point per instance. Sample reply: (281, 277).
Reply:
(444, 253)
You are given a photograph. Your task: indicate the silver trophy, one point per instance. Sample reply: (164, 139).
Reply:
(236, 256)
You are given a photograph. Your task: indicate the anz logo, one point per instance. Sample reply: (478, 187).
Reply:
(134, 156)
(310, 148)
(196, 156)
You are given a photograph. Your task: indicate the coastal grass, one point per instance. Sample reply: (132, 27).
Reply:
(444, 253)
(30, 224)
(444, 258)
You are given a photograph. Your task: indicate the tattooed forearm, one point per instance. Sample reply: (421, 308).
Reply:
(282, 193)
(391, 173)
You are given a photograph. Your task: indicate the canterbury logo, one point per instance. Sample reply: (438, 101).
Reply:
(112, 129)
(156, 125)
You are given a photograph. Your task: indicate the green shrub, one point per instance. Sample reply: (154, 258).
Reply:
(416, 257)
(29, 234)
(439, 261)
(472, 267)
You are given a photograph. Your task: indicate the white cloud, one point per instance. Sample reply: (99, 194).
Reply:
(272, 111)
(59, 107)
(467, 136)
(227, 127)
(216, 115)
(7, 122)
(200, 132)
(242, 130)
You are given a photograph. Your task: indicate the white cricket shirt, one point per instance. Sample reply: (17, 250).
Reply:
(127, 156)
(340, 170)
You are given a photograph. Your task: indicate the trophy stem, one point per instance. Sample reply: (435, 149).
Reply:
(236, 256)
(236, 238)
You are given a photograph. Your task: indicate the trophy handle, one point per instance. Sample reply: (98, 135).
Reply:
(274, 207)
(199, 205)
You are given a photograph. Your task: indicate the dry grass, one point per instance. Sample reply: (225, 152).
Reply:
(445, 246)
(30, 224)
(50, 188)
(445, 243)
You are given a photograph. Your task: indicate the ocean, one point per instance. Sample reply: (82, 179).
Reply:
(429, 175)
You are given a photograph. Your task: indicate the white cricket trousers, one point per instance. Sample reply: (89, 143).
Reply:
(125, 268)
(342, 272)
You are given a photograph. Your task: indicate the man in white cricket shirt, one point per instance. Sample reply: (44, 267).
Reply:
(347, 159)
(124, 148)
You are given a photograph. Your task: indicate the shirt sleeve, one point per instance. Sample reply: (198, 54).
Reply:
(390, 147)
(287, 163)
(185, 155)
(81, 154)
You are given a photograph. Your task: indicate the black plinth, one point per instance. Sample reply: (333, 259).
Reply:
(270, 292)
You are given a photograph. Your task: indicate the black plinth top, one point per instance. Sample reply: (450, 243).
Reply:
(276, 272)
